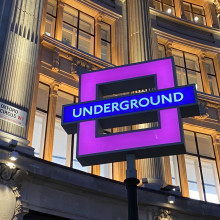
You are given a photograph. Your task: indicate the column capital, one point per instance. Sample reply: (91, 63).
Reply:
(201, 55)
(54, 87)
(60, 3)
(99, 18)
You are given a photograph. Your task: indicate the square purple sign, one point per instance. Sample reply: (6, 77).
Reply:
(144, 143)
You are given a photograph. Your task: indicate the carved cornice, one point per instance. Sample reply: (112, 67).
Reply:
(11, 178)
(82, 57)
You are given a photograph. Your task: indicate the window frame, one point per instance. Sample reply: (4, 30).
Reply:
(162, 7)
(188, 69)
(191, 4)
(201, 158)
(78, 30)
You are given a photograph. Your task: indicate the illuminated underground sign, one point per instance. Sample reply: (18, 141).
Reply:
(162, 102)
(130, 104)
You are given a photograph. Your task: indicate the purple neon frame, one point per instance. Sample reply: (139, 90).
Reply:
(169, 131)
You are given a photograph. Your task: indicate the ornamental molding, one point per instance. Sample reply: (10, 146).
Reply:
(203, 109)
(217, 5)
(163, 214)
(11, 178)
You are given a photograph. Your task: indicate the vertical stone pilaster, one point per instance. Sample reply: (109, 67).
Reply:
(43, 20)
(216, 144)
(48, 149)
(183, 176)
(140, 49)
(168, 47)
(18, 63)
(98, 20)
(179, 9)
(59, 20)
(204, 75)
(167, 170)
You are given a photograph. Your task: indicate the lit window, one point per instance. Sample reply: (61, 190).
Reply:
(210, 69)
(40, 120)
(51, 17)
(201, 168)
(187, 69)
(166, 6)
(174, 171)
(194, 13)
(105, 42)
(62, 141)
(78, 30)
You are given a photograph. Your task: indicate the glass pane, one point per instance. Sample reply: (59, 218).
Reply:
(197, 9)
(174, 171)
(39, 133)
(106, 51)
(181, 76)
(195, 77)
(209, 66)
(42, 96)
(86, 42)
(188, 16)
(199, 19)
(168, 2)
(178, 57)
(60, 144)
(63, 99)
(211, 181)
(190, 142)
(205, 145)
(106, 170)
(105, 31)
(161, 51)
(168, 9)
(192, 62)
(186, 6)
(52, 7)
(76, 164)
(194, 179)
(213, 85)
(70, 15)
(49, 26)
(86, 23)
(157, 5)
(69, 35)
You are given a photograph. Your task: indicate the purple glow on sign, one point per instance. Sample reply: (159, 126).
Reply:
(169, 131)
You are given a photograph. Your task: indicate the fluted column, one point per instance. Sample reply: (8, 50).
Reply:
(48, 150)
(98, 21)
(140, 49)
(18, 59)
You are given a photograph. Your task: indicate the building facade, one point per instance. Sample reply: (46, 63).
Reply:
(45, 45)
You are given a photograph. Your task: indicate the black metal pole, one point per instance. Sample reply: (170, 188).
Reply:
(131, 183)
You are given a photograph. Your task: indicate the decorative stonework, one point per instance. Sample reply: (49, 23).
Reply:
(56, 61)
(217, 5)
(10, 178)
(203, 111)
(163, 214)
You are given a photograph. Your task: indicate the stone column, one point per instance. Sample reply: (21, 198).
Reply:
(140, 49)
(20, 29)
(59, 21)
(217, 6)
(48, 150)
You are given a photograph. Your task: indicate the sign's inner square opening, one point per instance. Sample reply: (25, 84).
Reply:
(140, 121)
